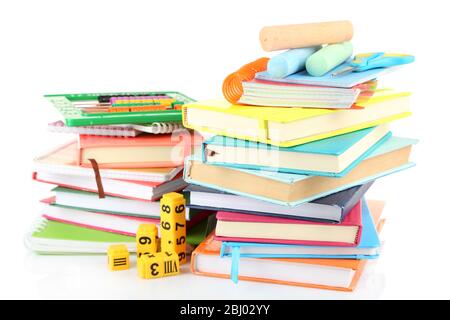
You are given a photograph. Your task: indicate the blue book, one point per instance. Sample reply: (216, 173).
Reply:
(335, 156)
(294, 189)
(368, 247)
(348, 80)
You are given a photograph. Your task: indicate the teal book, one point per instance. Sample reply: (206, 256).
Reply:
(294, 189)
(335, 156)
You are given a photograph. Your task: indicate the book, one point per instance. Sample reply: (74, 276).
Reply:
(109, 131)
(330, 274)
(332, 208)
(334, 156)
(58, 238)
(52, 237)
(283, 94)
(64, 160)
(78, 199)
(139, 190)
(294, 189)
(241, 227)
(114, 223)
(105, 220)
(143, 151)
(368, 247)
(348, 80)
(286, 127)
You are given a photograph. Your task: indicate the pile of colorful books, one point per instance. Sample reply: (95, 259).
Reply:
(109, 179)
(288, 181)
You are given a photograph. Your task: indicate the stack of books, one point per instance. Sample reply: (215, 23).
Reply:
(110, 178)
(289, 182)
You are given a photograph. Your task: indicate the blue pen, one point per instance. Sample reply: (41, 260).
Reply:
(367, 61)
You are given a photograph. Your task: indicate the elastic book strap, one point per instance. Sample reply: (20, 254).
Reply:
(98, 179)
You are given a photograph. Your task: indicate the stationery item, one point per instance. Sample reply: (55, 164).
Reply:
(158, 127)
(243, 227)
(146, 239)
(294, 189)
(328, 58)
(347, 80)
(289, 62)
(304, 35)
(335, 156)
(110, 131)
(368, 248)
(88, 109)
(73, 198)
(286, 127)
(232, 85)
(367, 61)
(278, 94)
(331, 274)
(121, 224)
(332, 208)
(144, 151)
(52, 237)
(64, 161)
(132, 189)
(118, 257)
(173, 225)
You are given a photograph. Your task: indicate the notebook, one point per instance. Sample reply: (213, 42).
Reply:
(64, 160)
(78, 199)
(52, 237)
(347, 80)
(332, 208)
(143, 151)
(329, 274)
(335, 156)
(368, 248)
(294, 189)
(281, 94)
(286, 127)
(138, 190)
(240, 227)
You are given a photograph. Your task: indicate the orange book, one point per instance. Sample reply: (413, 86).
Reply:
(143, 151)
(331, 274)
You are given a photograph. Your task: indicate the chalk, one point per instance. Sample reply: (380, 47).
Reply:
(289, 62)
(328, 58)
(304, 35)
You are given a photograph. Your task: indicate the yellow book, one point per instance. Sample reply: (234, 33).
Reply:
(286, 127)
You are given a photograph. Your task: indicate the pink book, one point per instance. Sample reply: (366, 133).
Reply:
(240, 227)
(144, 151)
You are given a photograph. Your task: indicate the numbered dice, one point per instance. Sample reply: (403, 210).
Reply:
(158, 265)
(146, 237)
(173, 225)
(118, 257)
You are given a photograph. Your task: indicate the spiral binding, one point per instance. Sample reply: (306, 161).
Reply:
(232, 85)
(159, 127)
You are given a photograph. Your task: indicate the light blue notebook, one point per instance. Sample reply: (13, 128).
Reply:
(333, 146)
(348, 80)
(393, 143)
(368, 247)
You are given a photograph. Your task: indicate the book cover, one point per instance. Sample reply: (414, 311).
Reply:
(270, 224)
(366, 249)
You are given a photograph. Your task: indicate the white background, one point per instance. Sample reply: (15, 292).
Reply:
(190, 46)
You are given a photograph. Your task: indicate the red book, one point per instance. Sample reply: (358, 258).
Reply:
(242, 227)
